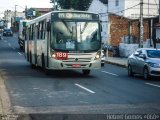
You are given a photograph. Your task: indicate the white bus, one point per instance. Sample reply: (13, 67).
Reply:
(63, 40)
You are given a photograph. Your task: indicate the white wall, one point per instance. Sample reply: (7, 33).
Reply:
(135, 12)
(11, 14)
(112, 8)
(127, 49)
(101, 9)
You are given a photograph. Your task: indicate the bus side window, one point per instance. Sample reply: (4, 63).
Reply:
(60, 37)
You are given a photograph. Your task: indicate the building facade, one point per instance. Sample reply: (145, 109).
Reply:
(122, 20)
(11, 17)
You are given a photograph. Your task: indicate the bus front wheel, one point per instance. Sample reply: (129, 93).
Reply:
(86, 72)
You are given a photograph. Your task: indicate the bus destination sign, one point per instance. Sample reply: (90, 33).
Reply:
(74, 16)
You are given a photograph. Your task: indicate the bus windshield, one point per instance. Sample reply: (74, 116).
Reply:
(75, 36)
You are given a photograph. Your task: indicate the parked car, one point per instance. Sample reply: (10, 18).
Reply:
(145, 61)
(103, 58)
(7, 32)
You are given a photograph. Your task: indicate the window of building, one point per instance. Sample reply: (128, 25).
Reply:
(117, 3)
(41, 30)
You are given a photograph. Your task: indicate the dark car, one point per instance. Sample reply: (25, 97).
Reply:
(7, 32)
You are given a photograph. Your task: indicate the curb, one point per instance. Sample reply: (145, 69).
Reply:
(118, 64)
(5, 104)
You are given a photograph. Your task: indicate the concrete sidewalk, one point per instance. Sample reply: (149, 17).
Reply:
(117, 61)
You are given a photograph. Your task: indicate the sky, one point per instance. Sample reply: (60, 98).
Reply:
(10, 4)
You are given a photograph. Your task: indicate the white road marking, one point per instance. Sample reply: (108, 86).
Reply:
(85, 88)
(5, 41)
(9, 44)
(153, 85)
(109, 73)
(19, 53)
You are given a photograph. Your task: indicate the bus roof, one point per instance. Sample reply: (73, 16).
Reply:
(62, 11)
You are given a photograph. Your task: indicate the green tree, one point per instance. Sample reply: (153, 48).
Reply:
(73, 4)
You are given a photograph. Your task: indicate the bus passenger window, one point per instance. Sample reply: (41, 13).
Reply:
(60, 38)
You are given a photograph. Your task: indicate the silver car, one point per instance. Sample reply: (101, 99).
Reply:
(145, 61)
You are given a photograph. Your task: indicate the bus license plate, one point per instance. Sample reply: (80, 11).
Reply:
(61, 56)
(76, 65)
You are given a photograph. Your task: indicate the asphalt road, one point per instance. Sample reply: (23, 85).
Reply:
(105, 91)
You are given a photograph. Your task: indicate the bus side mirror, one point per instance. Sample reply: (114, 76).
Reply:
(48, 26)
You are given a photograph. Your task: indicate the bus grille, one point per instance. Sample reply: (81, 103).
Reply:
(78, 60)
(82, 66)
(78, 57)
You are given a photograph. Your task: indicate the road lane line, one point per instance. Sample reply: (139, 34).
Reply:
(19, 53)
(109, 73)
(153, 85)
(9, 44)
(85, 88)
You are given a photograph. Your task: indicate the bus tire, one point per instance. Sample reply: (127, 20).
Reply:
(32, 65)
(21, 47)
(86, 72)
(27, 56)
(47, 71)
(43, 61)
(35, 56)
(30, 57)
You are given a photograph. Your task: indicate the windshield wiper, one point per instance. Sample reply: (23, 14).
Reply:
(67, 27)
(85, 26)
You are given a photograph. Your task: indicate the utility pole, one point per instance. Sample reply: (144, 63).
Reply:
(148, 8)
(141, 25)
(159, 11)
(26, 12)
(7, 21)
(15, 14)
(55, 6)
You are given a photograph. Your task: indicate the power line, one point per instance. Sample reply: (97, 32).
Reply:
(122, 10)
(151, 4)
(128, 8)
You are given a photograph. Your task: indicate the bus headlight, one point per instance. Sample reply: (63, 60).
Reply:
(98, 56)
(54, 55)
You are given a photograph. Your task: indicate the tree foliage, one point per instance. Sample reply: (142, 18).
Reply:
(73, 4)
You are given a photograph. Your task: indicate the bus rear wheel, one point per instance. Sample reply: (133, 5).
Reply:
(86, 72)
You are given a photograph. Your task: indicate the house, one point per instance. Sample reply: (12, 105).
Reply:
(125, 32)
(34, 12)
(131, 8)
(11, 19)
(122, 20)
